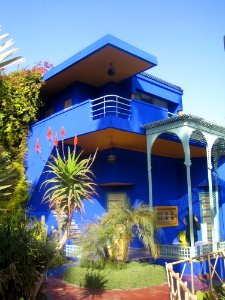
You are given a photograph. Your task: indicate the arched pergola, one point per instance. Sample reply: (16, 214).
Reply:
(190, 128)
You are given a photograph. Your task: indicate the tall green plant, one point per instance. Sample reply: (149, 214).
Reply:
(69, 184)
(25, 254)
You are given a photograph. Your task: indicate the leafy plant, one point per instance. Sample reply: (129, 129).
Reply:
(109, 237)
(7, 178)
(94, 242)
(19, 105)
(220, 290)
(25, 254)
(70, 183)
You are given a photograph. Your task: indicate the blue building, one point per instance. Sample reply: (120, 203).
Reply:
(147, 150)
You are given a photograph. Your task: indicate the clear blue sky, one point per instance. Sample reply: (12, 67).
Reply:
(185, 36)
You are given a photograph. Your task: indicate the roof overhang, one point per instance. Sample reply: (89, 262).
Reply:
(197, 123)
(91, 65)
(108, 138)
(189, 129)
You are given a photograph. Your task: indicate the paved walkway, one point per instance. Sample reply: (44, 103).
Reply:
(57, 289)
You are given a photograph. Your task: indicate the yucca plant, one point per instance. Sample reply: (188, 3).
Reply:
(70, 182)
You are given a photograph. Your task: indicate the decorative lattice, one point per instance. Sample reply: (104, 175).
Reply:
(72, 251)
(182, 252)
(175, 251)
(221, 245)
(203, 249)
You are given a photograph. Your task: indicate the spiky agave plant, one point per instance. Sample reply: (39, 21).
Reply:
(70, 184)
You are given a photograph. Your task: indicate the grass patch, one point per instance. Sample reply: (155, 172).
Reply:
(127, 276)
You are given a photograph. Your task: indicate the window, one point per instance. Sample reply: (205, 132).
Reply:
(68, 103)
(116, 200)
(151, 99)
(49, 112)
(205, 211)
(167, 216)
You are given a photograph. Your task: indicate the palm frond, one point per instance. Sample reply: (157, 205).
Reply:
(6, 52)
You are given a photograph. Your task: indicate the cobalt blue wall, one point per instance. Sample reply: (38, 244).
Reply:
(131, 170)
(77, 121)
(80, 92)
(169, 188)
(172, 95)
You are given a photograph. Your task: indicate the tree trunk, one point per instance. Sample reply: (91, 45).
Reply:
(63, 240)
(65, 236)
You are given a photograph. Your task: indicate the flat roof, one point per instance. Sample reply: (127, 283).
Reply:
(92, 65)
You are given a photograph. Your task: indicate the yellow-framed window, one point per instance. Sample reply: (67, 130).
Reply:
(115, 199)
(167, 216)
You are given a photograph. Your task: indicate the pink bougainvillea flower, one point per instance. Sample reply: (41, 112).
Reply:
(56, 142)
(37, 146)
(49, 133)
(63, 132)
(75, 141)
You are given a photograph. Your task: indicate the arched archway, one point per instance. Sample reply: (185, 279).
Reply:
(198, 138)
(166, 156)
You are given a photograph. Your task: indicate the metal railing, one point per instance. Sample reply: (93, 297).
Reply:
(111, 105)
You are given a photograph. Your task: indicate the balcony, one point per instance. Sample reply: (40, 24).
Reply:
(111, 105)
(109, 111)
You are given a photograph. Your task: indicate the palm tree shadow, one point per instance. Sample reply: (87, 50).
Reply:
(94, 284)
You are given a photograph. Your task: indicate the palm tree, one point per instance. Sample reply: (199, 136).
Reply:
(109, 237)
(125, 222)
(5, 53)
(71, 182)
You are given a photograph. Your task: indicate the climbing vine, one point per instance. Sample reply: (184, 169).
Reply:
(19, 104)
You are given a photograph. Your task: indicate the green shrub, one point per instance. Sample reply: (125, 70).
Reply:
(117, 276)
(19, 104)
(25, 254)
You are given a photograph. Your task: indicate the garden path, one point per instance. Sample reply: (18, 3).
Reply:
(57, 289)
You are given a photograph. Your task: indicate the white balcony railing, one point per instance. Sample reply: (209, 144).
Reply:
(111, 105)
